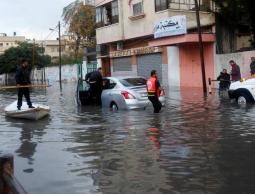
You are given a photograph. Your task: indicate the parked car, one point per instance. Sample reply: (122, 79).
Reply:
(243, 91)
(126, 93)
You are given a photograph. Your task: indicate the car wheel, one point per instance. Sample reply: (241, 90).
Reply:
(114, 106)
(243, 98)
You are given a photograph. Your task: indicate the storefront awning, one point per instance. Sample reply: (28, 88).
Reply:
(182, 39)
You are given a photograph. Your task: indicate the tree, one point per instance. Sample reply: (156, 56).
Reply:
(237, 14)
(80, 19)
(12, 57)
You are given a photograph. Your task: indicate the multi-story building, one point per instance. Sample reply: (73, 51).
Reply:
(136, 36)
(7, 42)
(51, 47)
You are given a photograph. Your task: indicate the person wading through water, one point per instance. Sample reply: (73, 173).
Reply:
(235, 71)
(154, 89)
(23, 78)
(95, 80)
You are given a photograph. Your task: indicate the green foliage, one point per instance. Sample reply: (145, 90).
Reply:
(80, 19)
(236, 13)
(12, 57)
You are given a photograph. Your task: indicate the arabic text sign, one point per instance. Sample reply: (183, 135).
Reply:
(170, 26)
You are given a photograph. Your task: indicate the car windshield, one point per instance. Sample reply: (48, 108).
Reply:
(130, 82)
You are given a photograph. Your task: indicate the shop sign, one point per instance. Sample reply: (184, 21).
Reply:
(171, 26)
(135, 51)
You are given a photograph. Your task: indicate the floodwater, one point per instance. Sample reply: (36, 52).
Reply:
(196, 145)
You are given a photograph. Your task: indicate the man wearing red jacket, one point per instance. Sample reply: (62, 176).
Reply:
(235, 71)
(153, 88)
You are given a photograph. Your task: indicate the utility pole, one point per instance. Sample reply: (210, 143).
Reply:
(33, 58)
(59, 51)
(201, 48)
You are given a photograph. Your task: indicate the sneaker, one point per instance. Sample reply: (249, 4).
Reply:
(18, 108)
(31, 106)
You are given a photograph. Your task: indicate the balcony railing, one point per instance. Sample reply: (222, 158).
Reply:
(204, 5)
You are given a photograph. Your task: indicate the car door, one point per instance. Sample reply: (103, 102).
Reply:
(107, 94)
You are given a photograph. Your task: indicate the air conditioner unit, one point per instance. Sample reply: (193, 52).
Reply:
(119, 46)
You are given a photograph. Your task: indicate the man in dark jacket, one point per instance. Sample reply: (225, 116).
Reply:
(96, 84)
(252, 66)
(23, 79)
(224, 79)
(235, 71)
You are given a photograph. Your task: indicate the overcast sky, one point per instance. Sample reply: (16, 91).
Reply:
(31, 18)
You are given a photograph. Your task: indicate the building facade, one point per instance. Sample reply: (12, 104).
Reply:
(135, 36)
(51, 47)
(7, 42)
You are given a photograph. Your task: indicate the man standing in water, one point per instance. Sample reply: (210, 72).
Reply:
(96, 84)
(22, 79)
(235, 71)
(154, 89)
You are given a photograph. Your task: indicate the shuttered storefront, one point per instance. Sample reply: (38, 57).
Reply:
(122, 64)
(146, 63)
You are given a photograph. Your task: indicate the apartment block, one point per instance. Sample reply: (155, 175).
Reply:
(7, 42)
(136, 36)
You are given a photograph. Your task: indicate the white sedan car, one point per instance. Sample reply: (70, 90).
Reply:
(126, 93)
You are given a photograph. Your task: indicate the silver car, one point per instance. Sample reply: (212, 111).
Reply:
(126, 93)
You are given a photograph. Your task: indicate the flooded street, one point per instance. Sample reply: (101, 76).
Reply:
(193, 146)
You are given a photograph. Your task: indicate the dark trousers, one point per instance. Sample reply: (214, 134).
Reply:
(156, 103)
(95, 92)
(26, 93)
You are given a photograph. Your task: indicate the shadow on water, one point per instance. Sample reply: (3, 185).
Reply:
(30, 136)
(195, 145)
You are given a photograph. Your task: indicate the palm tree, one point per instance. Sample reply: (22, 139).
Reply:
(80, 19)
(70, 10)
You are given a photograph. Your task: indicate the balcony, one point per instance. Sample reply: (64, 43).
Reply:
(204, 5)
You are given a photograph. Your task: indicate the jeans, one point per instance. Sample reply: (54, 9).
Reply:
(26, 93)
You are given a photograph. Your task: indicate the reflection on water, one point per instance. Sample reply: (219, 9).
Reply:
(196, 145)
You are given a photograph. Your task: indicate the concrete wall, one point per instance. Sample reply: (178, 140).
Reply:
(110, 33)
(243, 59)
(68, 73)
(173, 66)
(2, 79)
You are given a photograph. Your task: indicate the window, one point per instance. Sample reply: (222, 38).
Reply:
(1, 44)
(107, 14)
(115, 12)
(137, 9)
(130, 82)
(161, 5)
(182, 4)
(205, 5)
(108, 84)
(7, 44)
(99, 19)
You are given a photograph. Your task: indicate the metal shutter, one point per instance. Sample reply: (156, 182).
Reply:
(122, 64)
(146, 63)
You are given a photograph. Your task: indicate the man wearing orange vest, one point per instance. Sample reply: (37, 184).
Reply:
(153, 88)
